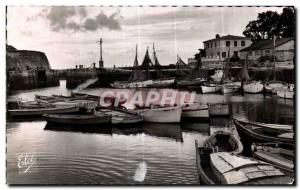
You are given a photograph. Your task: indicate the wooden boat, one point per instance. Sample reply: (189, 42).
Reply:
(257, 134)
(41, 111)
(195, 110)
(86, 104)
(48, 99)
(217, 76)
(230, 88)
(275, 85)
(286, 94)
(162, 83)
(120, 116)
(275, 155)
(227, 168)
(218, 109)
(209, 88)
(268, 128)
(190, 82)
(33, 104)
(87, 119)
(223, 141)
(161, 114)
(253, 87)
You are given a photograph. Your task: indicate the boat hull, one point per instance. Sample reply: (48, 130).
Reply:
(230, 88)
(209, 89)
(274, 86)
(41, 111)
(162, 115)
(77, 119)
(253, 88)
(285, 94)
(195, 111)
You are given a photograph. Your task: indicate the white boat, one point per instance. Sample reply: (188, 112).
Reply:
(218, 109)
(230, 88)
(195, 111)
(287, 94)
(217, 76)
(162, 83)
(274, 86)
(41, 111)
(162, 114)
(210, 88)
(138, 84)
(253, 87)
(119, 116)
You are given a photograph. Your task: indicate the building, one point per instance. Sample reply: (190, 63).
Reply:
(221, 47)
(264, 49)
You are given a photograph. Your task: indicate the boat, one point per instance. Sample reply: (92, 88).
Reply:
(195, 110)
(41, 111)
(223, 141)
(76, 119)
(210, 88)
(82, 104)
(190, 82)
(253, 87)
(47, 99)
(274, 86)
(225, 168)
(217, 76)
(230, 88)
(159, 83)
(268, 128)
(170, 114)
(218, 109)
(140, 76)
(33, 104)
(272, 153)
(120, 116)
(258, 134)
(286, 94)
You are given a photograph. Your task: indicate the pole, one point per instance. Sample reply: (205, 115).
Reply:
(274, 56)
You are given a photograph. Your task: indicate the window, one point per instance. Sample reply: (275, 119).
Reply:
(256, 53)
(223, 54)
(242, 43)
(235, 43)
(250, 53)
(218, 54)
(215, 44)
(235, 53)
(267, 52)
(227, 43)
(211, 54)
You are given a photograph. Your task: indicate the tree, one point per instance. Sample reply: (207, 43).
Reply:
(269, 24)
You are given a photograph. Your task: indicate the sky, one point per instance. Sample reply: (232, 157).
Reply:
(68, 34)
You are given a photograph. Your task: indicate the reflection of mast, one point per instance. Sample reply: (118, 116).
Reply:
(101, 64)
(274, 55)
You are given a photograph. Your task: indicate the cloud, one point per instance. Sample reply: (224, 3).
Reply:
(66, 18)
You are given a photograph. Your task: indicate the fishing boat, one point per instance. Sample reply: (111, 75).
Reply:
(170, 114)
(268, 128)
(76, 119)
(258, 134)
(120, 116)
(230, 169)
(272, 153)
(41, 111)
(195, 110)
(209, 88)
(217, 76)
(82, 104)
(218, 109)
(140, 76)
(274, 86)
(230, 88)
(47, 99)
(33, 104)
(285, 93)
(253, 87)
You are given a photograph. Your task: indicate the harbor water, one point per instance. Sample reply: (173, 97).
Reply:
(149, 153)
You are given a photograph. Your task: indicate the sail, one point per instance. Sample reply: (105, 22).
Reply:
(244, 75)
(182, 67)
(227, 69)
(146, 65)
(137, 74)
(157, 66)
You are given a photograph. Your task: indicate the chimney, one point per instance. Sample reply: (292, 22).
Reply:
(217, 36)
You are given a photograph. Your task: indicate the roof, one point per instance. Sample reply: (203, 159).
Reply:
(267, 44)
(228, 37)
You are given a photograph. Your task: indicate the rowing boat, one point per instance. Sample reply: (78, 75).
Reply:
(82, 119)
(195, 110)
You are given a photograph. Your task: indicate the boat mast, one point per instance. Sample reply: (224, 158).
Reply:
(274, 56)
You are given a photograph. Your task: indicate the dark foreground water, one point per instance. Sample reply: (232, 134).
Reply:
(145, 154)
